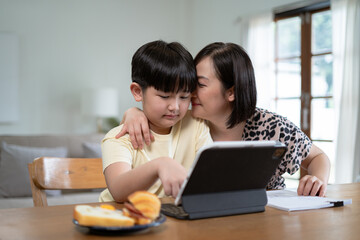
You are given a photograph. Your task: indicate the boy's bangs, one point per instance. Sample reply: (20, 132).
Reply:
(180, 85)
(164, 80)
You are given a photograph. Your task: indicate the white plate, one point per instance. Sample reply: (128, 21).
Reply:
(121, 230)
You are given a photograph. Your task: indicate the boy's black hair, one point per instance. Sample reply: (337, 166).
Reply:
(167, 67)
(233, 68)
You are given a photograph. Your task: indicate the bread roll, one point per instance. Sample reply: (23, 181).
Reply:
(96, 216)
(148, 204)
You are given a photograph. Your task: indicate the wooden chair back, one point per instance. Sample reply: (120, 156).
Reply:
(50, 173)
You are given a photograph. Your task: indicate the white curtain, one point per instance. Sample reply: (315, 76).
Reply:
(257, 37)
(346, 70)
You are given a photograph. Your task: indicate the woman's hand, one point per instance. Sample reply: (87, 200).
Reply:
(311, 186)
(317, 167)
(137, 126)
(172, 175)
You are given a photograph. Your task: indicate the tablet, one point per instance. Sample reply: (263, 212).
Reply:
(227, 178)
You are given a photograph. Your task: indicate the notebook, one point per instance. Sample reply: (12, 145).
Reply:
(288, 200)
(227, 178)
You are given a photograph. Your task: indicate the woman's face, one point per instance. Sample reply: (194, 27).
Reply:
(209, 100)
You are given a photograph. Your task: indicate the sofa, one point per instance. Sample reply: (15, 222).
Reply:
(17, 151)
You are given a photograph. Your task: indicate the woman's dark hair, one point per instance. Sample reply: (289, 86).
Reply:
(167, 67)
(233, 68)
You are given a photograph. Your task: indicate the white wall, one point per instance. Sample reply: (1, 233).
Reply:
(215, 20)
(69, 46)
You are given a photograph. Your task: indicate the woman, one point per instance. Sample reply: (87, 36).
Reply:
(226, 98)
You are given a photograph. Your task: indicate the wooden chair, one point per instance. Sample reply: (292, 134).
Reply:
(50, 173)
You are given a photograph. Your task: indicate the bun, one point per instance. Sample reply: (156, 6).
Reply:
(100, 216)
(148, 204)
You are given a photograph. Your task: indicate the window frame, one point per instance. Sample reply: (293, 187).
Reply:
(305, 13)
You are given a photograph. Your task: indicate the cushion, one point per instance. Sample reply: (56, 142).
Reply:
(14, 175)
(91, 150)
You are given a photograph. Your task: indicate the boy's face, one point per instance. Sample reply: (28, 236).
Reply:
(164, 110)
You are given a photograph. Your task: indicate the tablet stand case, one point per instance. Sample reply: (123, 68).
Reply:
(224, 203)
(221, 190)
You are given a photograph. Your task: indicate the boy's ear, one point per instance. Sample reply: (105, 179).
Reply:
(136, 91)
(230, 94)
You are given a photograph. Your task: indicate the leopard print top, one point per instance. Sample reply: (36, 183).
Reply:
(265, 125)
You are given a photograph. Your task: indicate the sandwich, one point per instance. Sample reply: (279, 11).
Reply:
(141, 208)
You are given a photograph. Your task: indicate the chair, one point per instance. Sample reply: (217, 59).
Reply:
(50, 173)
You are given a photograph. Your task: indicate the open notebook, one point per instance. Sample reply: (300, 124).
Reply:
(227, 178)
(288, 200)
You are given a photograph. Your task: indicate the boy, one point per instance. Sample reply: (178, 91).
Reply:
(163, 78)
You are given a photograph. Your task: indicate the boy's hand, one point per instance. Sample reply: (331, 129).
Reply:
(137, 126)
(172, 174)
(311, 186)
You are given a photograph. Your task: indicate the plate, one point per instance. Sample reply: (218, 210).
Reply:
(121, 230)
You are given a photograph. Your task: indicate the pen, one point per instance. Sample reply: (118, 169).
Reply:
(337, 203)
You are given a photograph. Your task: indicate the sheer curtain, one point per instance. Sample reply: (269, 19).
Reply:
(346, 51)
(257, 37)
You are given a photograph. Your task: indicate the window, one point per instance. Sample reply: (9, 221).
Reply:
(303, 69)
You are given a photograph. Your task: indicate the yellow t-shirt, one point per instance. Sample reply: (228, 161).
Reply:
(182, 143)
